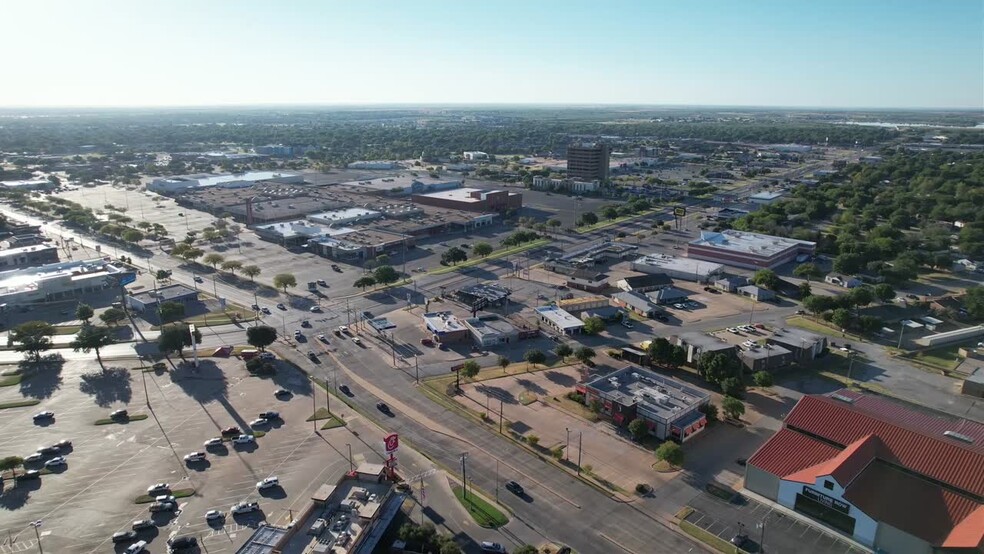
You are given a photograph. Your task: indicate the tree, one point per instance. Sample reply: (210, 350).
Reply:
(660, 350)
(261, 336)
(504, 362)
(974, 302)
(807, 271)
(133, 235)
(584, 354)
(213, 259)
(732, 386)
(818, 304)
(91, 337)
(716, 366)
(766, 278)
(525, 549)
(861, 296)
(563, 350)
(709, 410)
(638, 429)
(453, 255)
(732, 407)
(171, 311)
(870, 324)
(588, 218)
(534, 357)
(174, 338)
(385, 274)
(805, 289)
(112, 316)
(884, 292)
(232, 266)
(671, 453)
(252, 271)
(553, 223)
(678, 356)
(162, 275)
(762, 379)
(593, 325)
(364, 281)
(470, 369)
(610, 212)
(11, 462)
(482, 249)
(84, 313)
(841, 318)
(848, 263)
(284, 280)
(32, 337)
(191, 254)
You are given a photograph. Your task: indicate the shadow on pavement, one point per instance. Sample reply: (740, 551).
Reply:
(45, 376)
(107, 386)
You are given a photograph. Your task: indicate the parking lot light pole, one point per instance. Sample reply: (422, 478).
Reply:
(37, 533)
(143, 374)
(314, 411)
(761, 527)
(580, 435)
(567, 449)
(464, 480)
(351, 463)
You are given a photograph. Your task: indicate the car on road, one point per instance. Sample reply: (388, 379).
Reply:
(345, 390)
(136, 548)
(124, 536)
(245, 508)
(212, 442)
(158, 487)
(267, 356)
(268, 483)
(162, 507)
(198, 279)
(382, 407)
(231, 431)
(515, 488)
(56, 461)
(119, 414)
(265, 310)
(315, 309)
(194, 457)
(244, 439)
(270, 415)
(298, 334)
(36, 457)
(323, 338)
(282, 392)
(491, 547)
(357, 341)
(142, 524)
(322, 282)
(213, 515)
(281, 306)
(44, 415)
(912, 297)
(259, 422)
(627, 324)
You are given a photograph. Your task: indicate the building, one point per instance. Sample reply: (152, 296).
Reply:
(670, 408)
(446, 327)
(588, 161)
(842, 281)
(474, 156)
(803, 344)
(587, 280)
(490, 330)
(364, 243)
(949, 337)
(293, 233)
(482, 295)
(645, 283)
(756, 293)
(20, 241)
(669, 295)
(582, 303)
(472, 200)
(973, 384)
(28, 184)
(636, 302)
(891, 476)
(151, 300)
(730, 283)
(27, 256)
(559, 319)
(61, 281)
(373, 164)
(677, 268)
(343, 217)
(698, 344)
(182, 183)
(765, 198)
(565, 185)
(766, 357)
(747, 250)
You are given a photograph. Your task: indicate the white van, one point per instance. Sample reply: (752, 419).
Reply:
(136, 547)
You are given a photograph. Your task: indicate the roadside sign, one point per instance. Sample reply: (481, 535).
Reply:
(392, 443)
(680, 211)
(458, 367)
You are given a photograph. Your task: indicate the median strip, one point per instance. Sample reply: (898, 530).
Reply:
(179, 493)
(19, 403)
(121, 420)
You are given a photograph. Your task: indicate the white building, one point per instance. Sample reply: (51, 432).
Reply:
(171, 185)
(342, 217)
(767, 197)
(373, 164)
(570, 185)
(678, 268)
(490, 330)
(474, 156)
(559, 319)
(60, 281)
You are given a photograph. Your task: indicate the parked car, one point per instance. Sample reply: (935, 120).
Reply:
(142, 524)
(33, 458)
(312, 356)
(661, 317)
(280, 306)
(194, 457)
(158, 487)
(162, 507)
(336, 268)
(367, 315)
(739, 540)
(267, 483)
(298, 334)
(63, 444)
(265, 310)
(245, 507)
(119, 414)
(492, 547)
(213, 515)
(344, 329)
(305, 323)
(270, 415)
(323, 339)
(282, 392)
(136, 548)
(427, 342)
(244, 439)
(212, 442)
(627, 324)
(165, 498)
(177, 544)
(29, 474)
(357, 341)
(198, 279)
(268, 356)
(315, 309)
(515, 488)
(231, 431)
(259, 422)
(322, 283)
(44, 415)
(56, 461)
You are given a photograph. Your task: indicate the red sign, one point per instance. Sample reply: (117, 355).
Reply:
(392, 443)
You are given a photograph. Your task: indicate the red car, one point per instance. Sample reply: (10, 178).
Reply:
(231, 431)
(427, 342)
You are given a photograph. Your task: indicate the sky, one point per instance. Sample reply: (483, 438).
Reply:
(796, 53)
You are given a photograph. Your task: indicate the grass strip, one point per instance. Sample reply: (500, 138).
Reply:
(67, 329)
(19, 403)
(484, 514)
(616, 221)
(320, 413)
(494, 255)
(526, 398)
(179, 493)
(11, 380)
(709, 539)
(333, 423)
(109, 420)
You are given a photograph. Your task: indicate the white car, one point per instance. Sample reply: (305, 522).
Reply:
(213, 515)
(159, 487)
(165, 498)
(194, 457)
(357, 340)
(298, 334)
(267, 483)
(245, 507)
(136, 548)
(259, 422)
(244, 439)
(215, 441)
(343, 329)
(56, 461)
(323, 338)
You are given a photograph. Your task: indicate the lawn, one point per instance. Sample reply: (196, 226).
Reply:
(818, 327)
(942, 358)
(610, 222)
(575, 408)
(11, 380)
(67, 329)
(320, 413)
(19, 403)
(482, 512)
(178, 493)
(333, 423)
(487, 373)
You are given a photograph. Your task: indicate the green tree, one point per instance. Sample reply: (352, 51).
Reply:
(841, 318)
(678, 356)
(175, 337)
(261, 336)
(213, 259)
(884, 292)
(252, 271)
(284, 280)
(482, 249)
(588, 218)
(470, 369)
(453, 255)
(385, 274)
(716, 366)
(762, 379)
(805, 290)
(504, 362)
(671, 453)
(364, 281)
(92, 337)
(732, 386)
(732, 407)
(593, 325)
(33, 337)
(660, 350)
(807, 271)
(974, 302)
(232, 266)
(10, 463)
(609, 212)
(133, 235)
(817, 304)
(84, 313)
(848, 263)
(112, 316)
(766, 278)
(534, 356)
(162, 275)
(563, 350)
(638, 429)
(553, 223)
(870, 324)
(191, 254)
(584, 354)
(861, 296)
(171, 311)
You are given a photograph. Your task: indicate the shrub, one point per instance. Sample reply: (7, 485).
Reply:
(532, 440)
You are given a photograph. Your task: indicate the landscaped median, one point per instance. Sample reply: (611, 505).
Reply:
(484, 513)
(19, 403)
(323, 414)
(616, 221)
(179, 493)
(121, 420)
(494, 255)
(11, 378)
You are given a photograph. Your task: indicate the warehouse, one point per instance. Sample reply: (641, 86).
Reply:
(891, 476)
(490, 330)
(747, 250)
(677, 268)
(472, 200)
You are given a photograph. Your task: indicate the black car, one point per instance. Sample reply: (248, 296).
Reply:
(270, 415)
(124, 536)
(345, 390)
(367, 315)
(313, 356)
(382, 407)
(515, 488)
(282, 392)
(29, 474)
(49, 450)
(739, 540)
(661, 317)
(181, 543)
(142, 524)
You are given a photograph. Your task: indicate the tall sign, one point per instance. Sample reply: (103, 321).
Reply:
(392, 443)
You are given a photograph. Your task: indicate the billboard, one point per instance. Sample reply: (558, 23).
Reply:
(680, 211)
(392, 443)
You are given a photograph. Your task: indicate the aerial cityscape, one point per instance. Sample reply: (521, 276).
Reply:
(528, 278)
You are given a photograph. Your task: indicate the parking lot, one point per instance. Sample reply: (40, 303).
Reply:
(108, 466)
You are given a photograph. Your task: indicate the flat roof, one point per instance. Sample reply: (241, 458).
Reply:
(163, 294)
(458, 195)
(704, 341)
(207, 180)
(29, 278)
(797, 337)
(344, 214)
(767, 195)
(748, 243)
(656, 394)
(680, 265)
(263, 540)
(443, 322)
(489, 325)
(559, 317)
(26, 183)
(489, 291)
(24, 249)
(764, 351)
(300, 228)
(401, 181)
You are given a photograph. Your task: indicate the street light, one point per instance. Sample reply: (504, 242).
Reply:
(567, 449)
(37, 534)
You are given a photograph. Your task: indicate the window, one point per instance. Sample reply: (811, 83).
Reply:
(828, 484)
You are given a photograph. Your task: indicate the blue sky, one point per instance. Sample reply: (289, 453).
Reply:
(860, 53)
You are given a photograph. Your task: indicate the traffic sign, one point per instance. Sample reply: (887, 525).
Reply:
(392, 443)
(680, 211)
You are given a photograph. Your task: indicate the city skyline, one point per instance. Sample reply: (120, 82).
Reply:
(834, 55)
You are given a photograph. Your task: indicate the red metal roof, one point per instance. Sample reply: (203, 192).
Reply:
(969, 533)
(947, 460)
(916, 418)
(789, 451)
(844, 466)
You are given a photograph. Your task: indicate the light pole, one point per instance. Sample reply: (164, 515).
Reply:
(580, 435)
(143, 374)
(761, 527)
(351, 463)
(901, 330)
(464, 474)
(567, 449)
(850, 365)
(37, 533)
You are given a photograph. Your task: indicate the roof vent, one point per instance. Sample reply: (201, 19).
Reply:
(846, 399)
(959, 436)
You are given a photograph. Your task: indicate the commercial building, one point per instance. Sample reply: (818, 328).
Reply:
(747, 250)
(698, 344)
(765, 198)
(803, 344)
(472, 200)
(677, 268)
(293, 233)
(482, 295)
(490, 330)
(149, 301)
(587, 280)
(446, 327)
(668, 295)
(20, 241)
(474, 156)
(172, 185)
(399, 185)
(756, 293)
(559, 319)
(61, 281)
(588, 161)
(28, 184)
(636, 302)
(565, 185)
(345, 216)
(730, 283)
(644, 283)
(27, 256)
(950, 337)
(359, 244)
(373, 164)
(671, 409)
(581, 303)
(765, 357)
(893, 477)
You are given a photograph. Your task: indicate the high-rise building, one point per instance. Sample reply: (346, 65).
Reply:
(588, 161)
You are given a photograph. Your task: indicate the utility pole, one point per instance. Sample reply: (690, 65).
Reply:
(351, 463)
(416, 370)
(761, 527)
(567, 449)
(314, 412)
(37, 534)
(348, 313)
(393, 348)
(500, 416)
(143, 374)
(464, 480)
(497, 480)
(580, 435)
